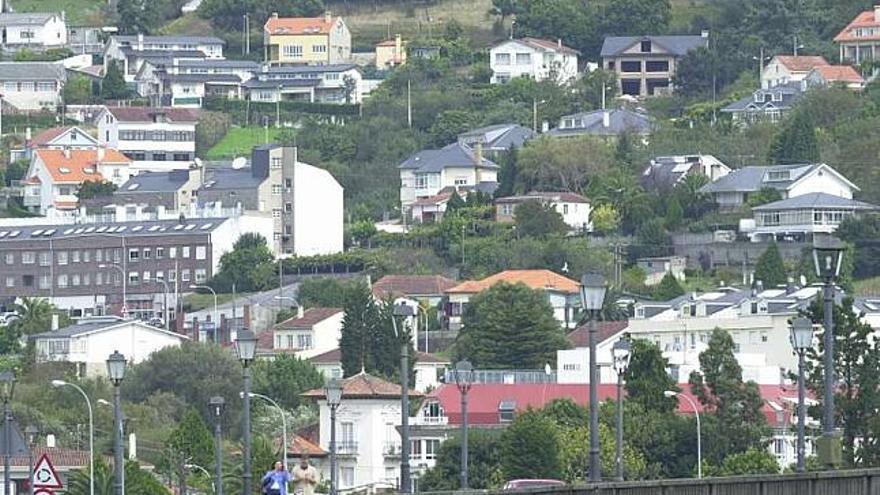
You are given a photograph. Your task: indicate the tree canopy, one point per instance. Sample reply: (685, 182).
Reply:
(770, 269)
(536, 219)
(249, 266)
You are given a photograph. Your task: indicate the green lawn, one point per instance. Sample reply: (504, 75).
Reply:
(79, 12)
(239, 141)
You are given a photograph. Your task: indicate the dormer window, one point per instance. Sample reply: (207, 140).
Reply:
(753, 310)
(506, 411)
(776, 175)
(646, 46)
(777, 96)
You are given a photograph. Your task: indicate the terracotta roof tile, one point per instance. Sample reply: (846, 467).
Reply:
(146, 114)
(365, 386)
(432, 200)
(61, 458)
(579, 337)
(801, 63)
(48, 135)
(866, 19)
(411, 285)
(299, 446)
(299, 25)
(310, 318)
(839, 73)
(77, 166)
(535, 279)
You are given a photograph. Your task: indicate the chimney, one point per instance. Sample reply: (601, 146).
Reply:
(274, 15)
(559, 42)
(606, 119)
(66, 152)
(478, 153)
(300, 312)
(545, 126)
(328, 17)
(140, 45)
(101, 150)
(132, 446)
(27, 134)
(54, 322)
(760, 286)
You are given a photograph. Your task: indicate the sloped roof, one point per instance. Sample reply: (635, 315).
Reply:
(335, 356)
(46, 137)
(865, 19)
(98, 324)
(499, 136)
(452, 155)
(25, 18)
(299, 25)
(579, 337)
(364, 386)
(753, 178)
(620, 120)
(543, 45)
(31, 71)
(562, 197)
(437, 199)
(674, 44)
(816, 200)
(789, 93)
(411, 285)
(300, 446)
(155, 182)
(76, 165)
(534, 279)
(145, 114)
(310, 318)
(839, 73)
(198, 40)
(801, 63)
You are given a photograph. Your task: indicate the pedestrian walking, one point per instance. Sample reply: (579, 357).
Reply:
(275, 481)
(305, 477)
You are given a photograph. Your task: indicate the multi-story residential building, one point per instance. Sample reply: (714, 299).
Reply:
(306, 40)
(31, 86)
(332, 83)
(798, 218)
(33, 30)
(663, 173)
(574, 208)
(784, 69)
(562, 293)
(155, 139)
(457, 166)
(186, 83)
(646, 65)
(390, 53)
(311, 332)
(859, 41)
(766, 105)
(131, 52)
(533, 58)
(734, 189)
(607, 124)
(109, 268)
(174, 190)
(55, 175)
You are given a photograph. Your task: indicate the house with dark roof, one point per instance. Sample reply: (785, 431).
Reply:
(766, 105)
(329, 83)
(33, 30)
(663, 173)
(534, 58)
(859, 41)
(497, 138)
(155, 138)
(457, 166)
(798, 218)
(607, 124)
(30, 86)
(187, 82)
(132, 51)
(174, 190)
(734, 189)
(311, 332)
(646, 65)
(784, 69)
(574, 208)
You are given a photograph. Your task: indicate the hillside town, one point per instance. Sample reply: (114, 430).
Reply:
(315, 246)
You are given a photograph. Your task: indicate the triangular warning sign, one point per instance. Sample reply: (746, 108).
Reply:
(45, 475)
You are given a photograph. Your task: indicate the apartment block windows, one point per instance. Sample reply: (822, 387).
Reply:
(45, 258)
(62, 281)
(27, 258)
(184, 252)
(172, 252)
(201, 252)
(99, 256)
(184, 275)
(134, 278)
(62, 257)
(10, 281)
(45, 281)
(147, 253)
(134, 255)
(201, 275)
(147, 277)
(10, 258)
(160, 253)
(276, 188)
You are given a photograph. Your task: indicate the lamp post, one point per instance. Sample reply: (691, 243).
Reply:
(216, 316)
(592, 299)
(217, 405)
(334, 397)
(827, 257)
(464, 378)
(404, 311)
(31, 432)
(116, 372)
(801, 340)
(283, 426)
(202, 470)
(622, 353)
(7, 379)
(672, 393)
(246, 347)
(62, 383)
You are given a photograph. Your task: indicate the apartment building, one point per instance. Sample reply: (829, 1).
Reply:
(131, 52)
(646, 65)
(156, 139)
(331, 83)
(306, 40)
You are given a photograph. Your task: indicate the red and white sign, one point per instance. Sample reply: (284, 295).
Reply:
(44, 491)
(45, 475)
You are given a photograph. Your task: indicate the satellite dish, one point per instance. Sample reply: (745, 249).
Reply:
(198, 162)
(239, 162)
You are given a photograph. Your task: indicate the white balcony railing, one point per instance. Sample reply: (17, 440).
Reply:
(429, 421)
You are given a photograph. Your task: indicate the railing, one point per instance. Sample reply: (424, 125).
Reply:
(506, 376)
(429, 421)
(347, 447)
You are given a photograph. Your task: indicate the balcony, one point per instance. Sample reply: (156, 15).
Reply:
(429, 421)
(347, 447)
(391, 449)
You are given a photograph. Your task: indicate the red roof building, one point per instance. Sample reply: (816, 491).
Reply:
(414, 286)
(859, 41)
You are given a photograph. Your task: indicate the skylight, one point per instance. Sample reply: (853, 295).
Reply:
(64, 170)
(68, 231)
(14, 233)
(153, 228)
(3, 233)
(137, 228)
(190, 226)
(36, 232)
(48, 232)
(102, 228)
(207, 226)
(89, 230)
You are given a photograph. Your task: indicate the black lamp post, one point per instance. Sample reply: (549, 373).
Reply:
(464, 378)
(801, 340)
(828, 257)
(403, 311)
(31, 432)
(217, 405)
(116, 371)
(246, 346)
(621, 353)
(333, 392)
(592, 299)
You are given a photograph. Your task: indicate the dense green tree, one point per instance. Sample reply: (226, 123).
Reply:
(113, 86)
(770, 269)
(752, 461)
(674, 213)
(536, 219)
(484, 463)
(636, 17)
(505, 8)
(285, 378)
(668, 288)
(516, 315)
(141, 16)
(507, 175)
(449, 124)
(573, 22)
(249, 266)
(228, 13)
(696, 73)
(95, 189)
(531, 431)
(34, 316)
(562, 164)
(694, 203)
(455, 202)
(646, 378)
(192, 440)
(77, 90)
(796, 142)
(652, 239)
(605, 219)
(589, 88)
(734, 416)
(861, 232)
(763, 196)
(326, 292)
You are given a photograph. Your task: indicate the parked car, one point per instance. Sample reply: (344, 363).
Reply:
(527, 484)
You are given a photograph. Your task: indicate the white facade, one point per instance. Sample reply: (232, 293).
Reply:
(131, 52)
(423, 185)
(784, 69)
(575, 211)
(278, 84)
(657, 268)
(536, 59)
(146, 142)
(39, 30)
(30, 86)
(318, 212)
(320, 338)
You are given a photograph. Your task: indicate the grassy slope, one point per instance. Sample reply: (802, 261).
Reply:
(239, 141)
(79, 12)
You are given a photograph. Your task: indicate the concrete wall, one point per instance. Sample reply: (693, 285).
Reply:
(692, 246)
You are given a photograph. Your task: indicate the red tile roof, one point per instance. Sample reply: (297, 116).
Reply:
(801, 63)
(310, 318)
(299, 446)
(839, 73)
(75, 166)
(299, 25)
(48, 135)
(411, 285)
(535, 279)
(146, 114)
(433, 200)
(365, 386)
(549, 45)
(579, 337)
(866, 19)
(60, 458)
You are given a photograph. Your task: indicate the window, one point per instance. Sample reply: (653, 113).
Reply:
(134, 278)
(184, 275)
(75, 280)
(288, 183)
(159, 157)
(10, 258)
(276, 188)
(62, 281)
(62, 257)
(502, 59)
(99, 278)
(319, 48)
(415, 449)
(432, 446)
(278, 342)
(656, 66)
(523, 59)
(181, 157)
(172, 276)
(461, 181)
(10, 281)
(99, 255)
(201, 275)
(201, 252)
(347, 436)
(631, 66)
(346, 475)
(293, 51)
(288, 207)
(160, 275)
(148, 253)
(46, 86)
(506, 209)
(506, 411)
(276, 162)
(565, 209)
(86, 256)
(146, 277)
(74, 256)
(290, 342)
(45, 281)
(134, 255)
(775, 175)
(27, 258)
(160, 253)
(303, 341)
(276, 212)
(646, 46)
(172, 252)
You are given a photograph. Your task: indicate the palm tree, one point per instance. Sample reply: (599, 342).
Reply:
(137, 481)
(34, 315)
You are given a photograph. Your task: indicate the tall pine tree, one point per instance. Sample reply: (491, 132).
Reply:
(770, 269)
(647, 379)
(796, 142)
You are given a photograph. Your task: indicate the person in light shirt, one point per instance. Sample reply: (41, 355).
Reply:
(305, 477)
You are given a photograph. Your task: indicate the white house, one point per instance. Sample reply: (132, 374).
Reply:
(131, 52)
(574, 208)
(333, 83)
(30, 86)
(55, 175)
(428, 368)
(562, 293)
(800, 217)
(456, 166)
(311, 332)
(665, 172)
(733, 190)
(534, 58)
(72, 137)
(33, 30)
(784, 69)
(156, 139)
(367, 438)
(186, 83)
(89, 342)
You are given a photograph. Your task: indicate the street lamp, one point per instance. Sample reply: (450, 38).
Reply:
(801, 340)
(828, 257)
(283, 425)
(62, 383)
(216, 315)
(217, 405)
(246, 347)
(464, 378)
(116, 371)
(30, 433)
(202, 470)
(622, 353)
(124, 285)
(404, 311)
(592, 299)
(672, 393)
(7, 379)
(333, 391)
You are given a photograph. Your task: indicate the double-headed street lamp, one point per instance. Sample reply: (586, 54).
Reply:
(116, 371)
(246, 347)
(828, 257)
(464, 378)
(592, 299)
(333, 391)
(217, 404)
(621, 352)
(801, 340)
(672, 393)
(403, 311)
(7, 380)
(62, 383)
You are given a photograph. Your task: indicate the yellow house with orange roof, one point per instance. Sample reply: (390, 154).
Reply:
(306, 40)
